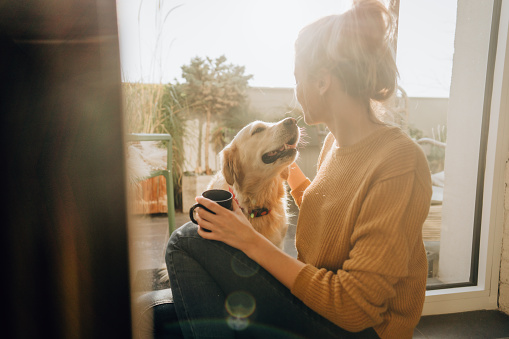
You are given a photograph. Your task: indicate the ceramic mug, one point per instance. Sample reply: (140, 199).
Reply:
(222, 197)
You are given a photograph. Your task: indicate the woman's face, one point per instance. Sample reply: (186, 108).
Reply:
(307, 96)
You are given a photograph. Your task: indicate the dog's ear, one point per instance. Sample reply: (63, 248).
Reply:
(232, 170)
(285, 173)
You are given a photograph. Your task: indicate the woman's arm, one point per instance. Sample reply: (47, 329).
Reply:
(386, 258)
(298, 182)
(235, 230)
(295, 177)
(281, 265)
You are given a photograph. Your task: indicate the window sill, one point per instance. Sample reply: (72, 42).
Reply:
(461, 299)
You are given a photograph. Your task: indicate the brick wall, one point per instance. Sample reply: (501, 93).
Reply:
(504, 266)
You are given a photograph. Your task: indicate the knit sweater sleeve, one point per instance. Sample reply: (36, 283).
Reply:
(386, 232)
(298, 192)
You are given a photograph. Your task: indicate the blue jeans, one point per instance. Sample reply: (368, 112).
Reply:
(220, 293)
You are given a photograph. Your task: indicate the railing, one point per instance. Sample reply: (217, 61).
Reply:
(164, 172)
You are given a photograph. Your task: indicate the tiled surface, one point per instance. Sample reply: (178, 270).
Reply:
(152, 235)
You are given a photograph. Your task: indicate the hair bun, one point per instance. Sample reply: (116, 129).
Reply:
(368, 30)
(372, 21)
(356, 46)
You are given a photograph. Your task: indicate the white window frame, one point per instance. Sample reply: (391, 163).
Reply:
(485, 294)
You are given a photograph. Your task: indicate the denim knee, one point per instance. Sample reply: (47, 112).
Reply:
(188, 230)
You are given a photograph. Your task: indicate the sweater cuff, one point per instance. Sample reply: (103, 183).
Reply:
(298, 192)
(303, 281)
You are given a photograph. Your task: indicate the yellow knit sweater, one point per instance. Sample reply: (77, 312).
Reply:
(360, 233)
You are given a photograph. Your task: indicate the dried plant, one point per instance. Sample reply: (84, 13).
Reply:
(156, 108)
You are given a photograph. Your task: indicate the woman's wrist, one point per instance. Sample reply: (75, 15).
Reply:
(295, 177)
(254, 245)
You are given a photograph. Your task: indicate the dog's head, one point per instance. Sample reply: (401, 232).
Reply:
(261, 150)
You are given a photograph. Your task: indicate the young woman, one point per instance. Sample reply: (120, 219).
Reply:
(361, 267)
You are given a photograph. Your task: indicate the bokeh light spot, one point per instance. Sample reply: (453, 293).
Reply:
(240, 304)
(241, 269)
(237, 324)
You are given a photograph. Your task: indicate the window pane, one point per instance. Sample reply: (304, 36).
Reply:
(443, 53)
(443, 67)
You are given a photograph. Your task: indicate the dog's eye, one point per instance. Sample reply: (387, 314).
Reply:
(258, 130)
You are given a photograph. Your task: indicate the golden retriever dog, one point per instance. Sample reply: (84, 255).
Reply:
(255, 166)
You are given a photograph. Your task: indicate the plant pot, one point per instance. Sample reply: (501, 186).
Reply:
(193, 186)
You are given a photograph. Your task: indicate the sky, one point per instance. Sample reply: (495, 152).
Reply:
(157, 37)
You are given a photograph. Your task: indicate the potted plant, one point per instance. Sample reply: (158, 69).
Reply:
(211, 89)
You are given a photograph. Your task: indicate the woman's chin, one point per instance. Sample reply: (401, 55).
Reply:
(309, 120)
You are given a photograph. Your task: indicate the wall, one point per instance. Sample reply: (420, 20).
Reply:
(271, 100)
(503, 300)
(427, 114)
(423, 113)
(191, 148)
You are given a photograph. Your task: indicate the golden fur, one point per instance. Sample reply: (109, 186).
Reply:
(254, 182)
(255, 166)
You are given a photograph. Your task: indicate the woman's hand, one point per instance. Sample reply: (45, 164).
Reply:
(232, 228)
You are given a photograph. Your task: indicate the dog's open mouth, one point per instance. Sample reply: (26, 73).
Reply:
(287, 150)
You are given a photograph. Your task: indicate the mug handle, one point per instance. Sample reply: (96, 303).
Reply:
(191, 212)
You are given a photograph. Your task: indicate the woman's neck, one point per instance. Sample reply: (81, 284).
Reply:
(352, 122)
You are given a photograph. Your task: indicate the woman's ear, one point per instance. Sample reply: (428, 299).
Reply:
(324, 81)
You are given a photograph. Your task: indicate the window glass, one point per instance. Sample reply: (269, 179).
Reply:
(424, 58)
(443, 67)
(443, 55)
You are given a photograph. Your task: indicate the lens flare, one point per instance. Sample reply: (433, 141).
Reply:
(237, 324)
(243, 269)
(240, 304)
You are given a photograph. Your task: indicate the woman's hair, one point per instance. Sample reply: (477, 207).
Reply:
(355, 46)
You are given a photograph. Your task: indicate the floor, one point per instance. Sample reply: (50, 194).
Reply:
(150, 239)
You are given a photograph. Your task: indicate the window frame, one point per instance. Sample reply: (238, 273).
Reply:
(482, 290)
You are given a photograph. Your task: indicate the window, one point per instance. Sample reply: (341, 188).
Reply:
(472, 207)
(425, 46)
(451, 56)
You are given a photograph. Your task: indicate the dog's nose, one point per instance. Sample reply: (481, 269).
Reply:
(289, 121)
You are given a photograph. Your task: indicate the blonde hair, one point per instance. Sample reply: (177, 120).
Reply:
(355, 46)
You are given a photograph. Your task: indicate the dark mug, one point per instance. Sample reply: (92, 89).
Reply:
(222, 197)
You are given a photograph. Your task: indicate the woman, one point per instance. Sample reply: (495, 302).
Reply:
(361, 267)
